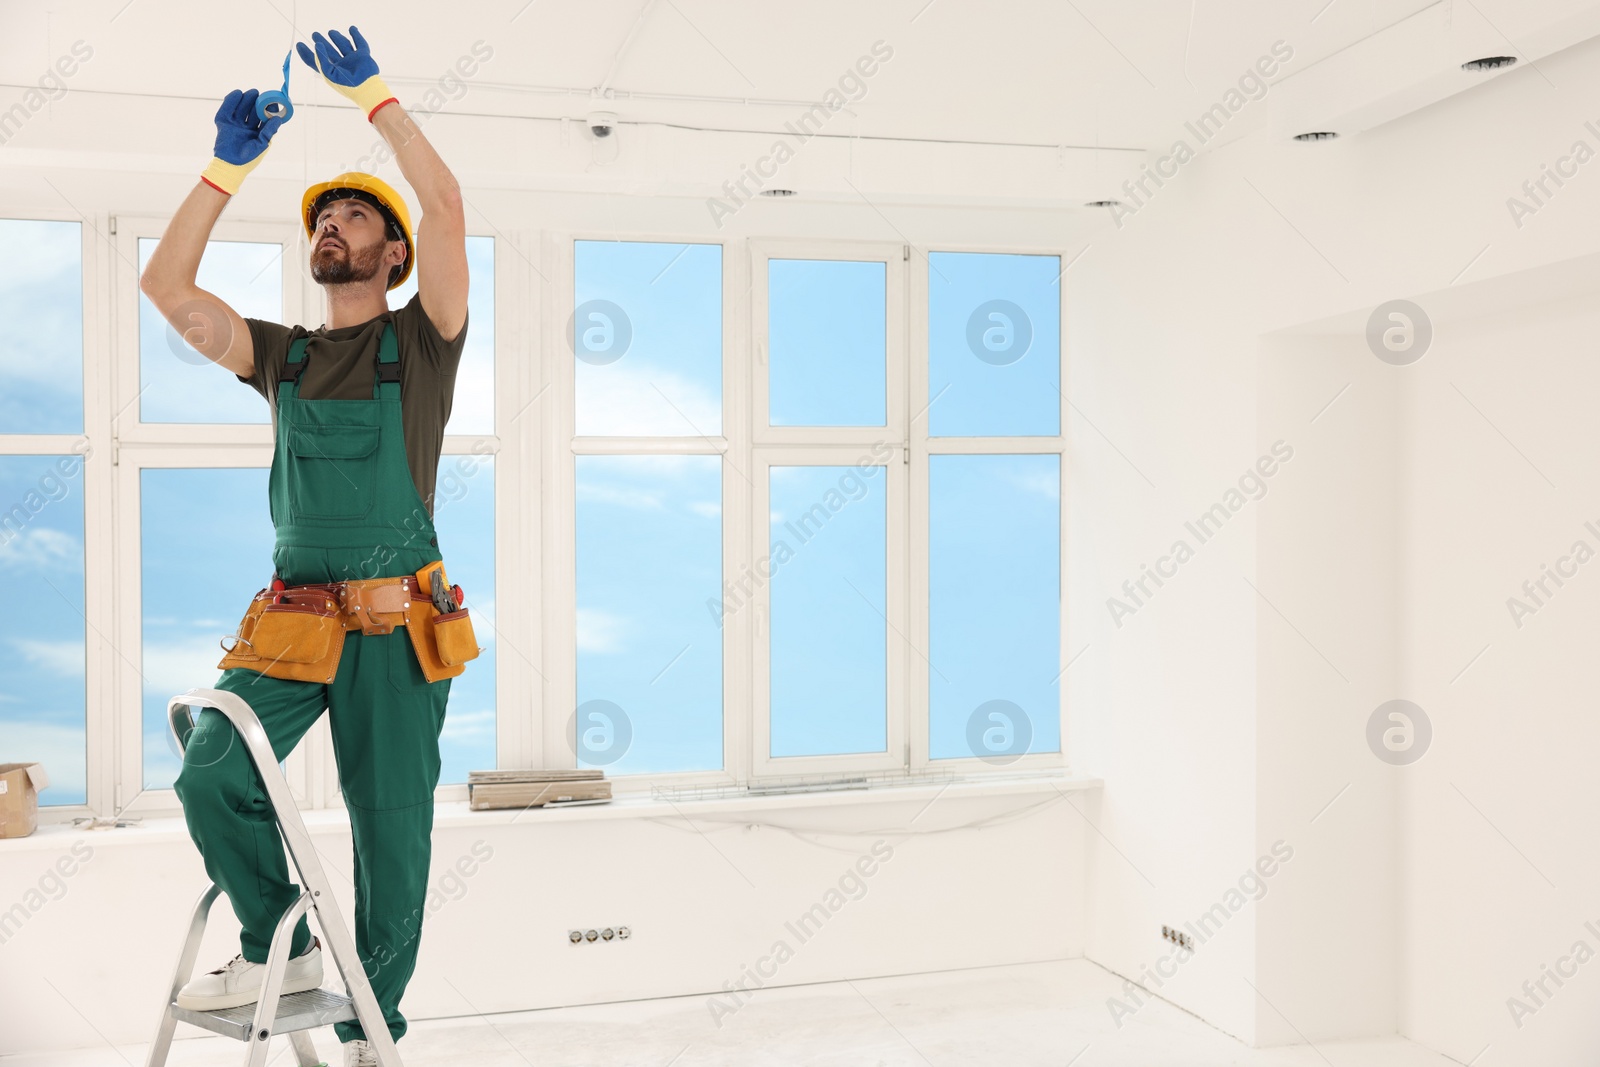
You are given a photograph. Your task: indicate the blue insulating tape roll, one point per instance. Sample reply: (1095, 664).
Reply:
(274, 103)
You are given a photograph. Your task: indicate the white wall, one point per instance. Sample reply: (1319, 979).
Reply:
(1215, 716)
(705, 888)
(1499, 873)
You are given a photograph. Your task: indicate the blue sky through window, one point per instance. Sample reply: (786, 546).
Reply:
(647, 333)
(828, 541)
(463, 517)
(825, 337)
(995, 595)
(650, 596)
(205, 539)
(42, 705)
(473, 410)
(177, 383)
(41, 302)
(994, 345)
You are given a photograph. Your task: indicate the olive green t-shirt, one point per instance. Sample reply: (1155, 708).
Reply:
(341, 365)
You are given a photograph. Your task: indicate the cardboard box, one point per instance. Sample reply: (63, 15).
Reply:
(19, 797)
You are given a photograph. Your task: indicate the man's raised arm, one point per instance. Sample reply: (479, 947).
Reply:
(349, 67)
(201, 317)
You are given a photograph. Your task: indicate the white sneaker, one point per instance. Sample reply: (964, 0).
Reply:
(360, 1053)
(238, 982)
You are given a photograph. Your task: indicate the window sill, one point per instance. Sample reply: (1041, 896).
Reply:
(456, 813)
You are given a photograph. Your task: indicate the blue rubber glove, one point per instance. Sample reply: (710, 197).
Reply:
(349, 68)
(242, 141)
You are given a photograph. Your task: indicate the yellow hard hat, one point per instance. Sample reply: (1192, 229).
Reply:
(355, 184)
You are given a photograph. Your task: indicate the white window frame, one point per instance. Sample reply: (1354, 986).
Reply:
(99, 767)
(747, 441)
(563, 446)
(310, 768)
(896, 353)
(895, 755)
(922, 446)
(534, 447)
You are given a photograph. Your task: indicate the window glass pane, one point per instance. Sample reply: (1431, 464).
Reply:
(646, 334)
(473, 408)
(995, 606)
(649, 546)
(205, 540)
(826, 341)
(463, 516)
(994, 345)
(828, 538)
(42, 708)
(41, 303)
(179, 384)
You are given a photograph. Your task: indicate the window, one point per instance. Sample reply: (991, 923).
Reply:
(473, 410)
(994, 344)
(828, 689)
(463, 517)
(995, 597)
(200, 563)
(43, 454)
(646, 333)
(42, 648)
(649, 639)
(646, 344)
(892, 579)
(194, 514)
(767, 509)
(177, 383)
(41, 301)
(828, 332)
(994, 506)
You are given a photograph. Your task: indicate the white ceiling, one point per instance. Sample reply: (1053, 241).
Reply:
(1084, 74)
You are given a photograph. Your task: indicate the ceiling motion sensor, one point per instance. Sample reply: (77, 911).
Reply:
(1316, 135)
(1488, 63)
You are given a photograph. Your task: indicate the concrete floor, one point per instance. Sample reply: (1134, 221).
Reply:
(1044, 1014)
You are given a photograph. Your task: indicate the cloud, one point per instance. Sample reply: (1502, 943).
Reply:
(170, 667)
(41, 547)
(61, 658)
(641, 499)
(635, 399)
(1034, 480)
(710, 509)
(62, 750)
(468, 725)
(599, 631)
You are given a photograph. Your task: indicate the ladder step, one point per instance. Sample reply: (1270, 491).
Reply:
(296, 1011)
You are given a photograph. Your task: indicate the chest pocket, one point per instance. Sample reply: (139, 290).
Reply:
(334, 472)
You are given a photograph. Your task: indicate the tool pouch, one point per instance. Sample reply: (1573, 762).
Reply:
(453, 634)
(300, 639)
(444, 643)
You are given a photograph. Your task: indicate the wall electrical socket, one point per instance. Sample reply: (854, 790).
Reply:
(1177, 937)
(604, 933)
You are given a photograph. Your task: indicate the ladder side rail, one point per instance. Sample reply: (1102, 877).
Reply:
(304, 855)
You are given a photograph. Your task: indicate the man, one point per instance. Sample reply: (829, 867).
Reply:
(359, 408)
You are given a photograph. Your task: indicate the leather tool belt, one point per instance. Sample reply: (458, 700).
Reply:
(298, 632)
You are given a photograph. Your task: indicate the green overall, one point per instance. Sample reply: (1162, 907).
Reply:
(344, 506)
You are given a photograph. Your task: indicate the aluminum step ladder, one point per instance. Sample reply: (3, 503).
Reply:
(297, 1013)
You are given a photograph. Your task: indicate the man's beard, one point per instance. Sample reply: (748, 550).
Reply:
(356, 266)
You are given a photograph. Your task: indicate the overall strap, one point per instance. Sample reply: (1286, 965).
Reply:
(386, 383)
(293, 367)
